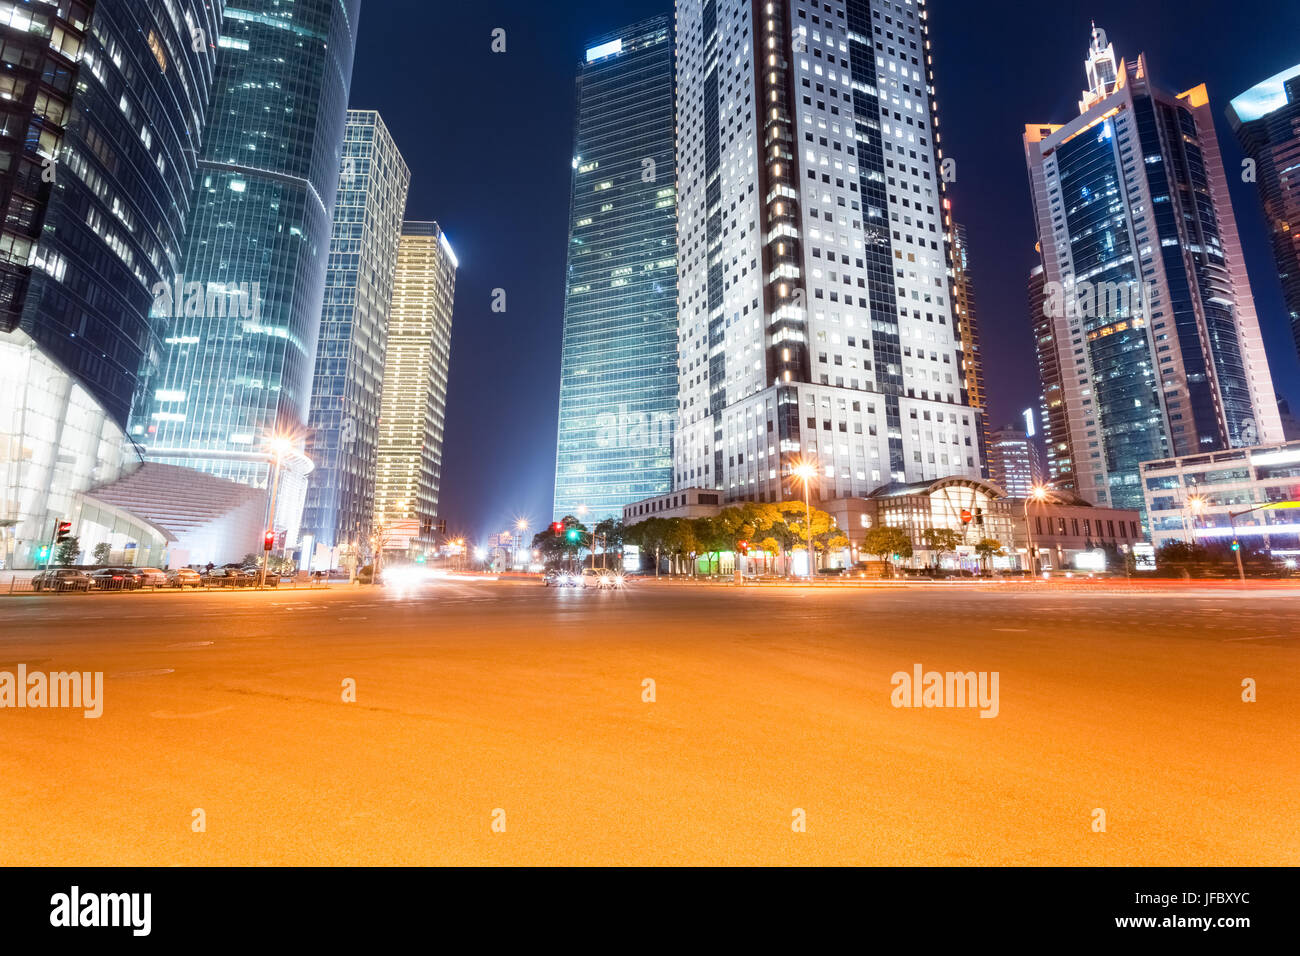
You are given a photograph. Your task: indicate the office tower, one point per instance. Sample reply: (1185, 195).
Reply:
(618, 378)
(1014, 462)
(103, 108)
(344, 419)
(1059, 464)
(967, 320)
(1266, 119)
(815, 308)
(412, 412)
(242, 320)
(1152, 314)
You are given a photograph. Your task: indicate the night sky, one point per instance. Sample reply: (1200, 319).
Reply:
(489, 136)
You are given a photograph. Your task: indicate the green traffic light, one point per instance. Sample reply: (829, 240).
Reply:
(573, 534)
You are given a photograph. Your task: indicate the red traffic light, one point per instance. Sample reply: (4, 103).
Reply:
(557, 527)
(268, 541)
(62, 531)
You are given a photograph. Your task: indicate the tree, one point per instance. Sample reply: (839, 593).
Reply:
(611, 532)
(797, 518)
(941, 541)
(648, 535)
(102, 552)
(886, 541)
(988, 549)
(68, 551)
(558, 549)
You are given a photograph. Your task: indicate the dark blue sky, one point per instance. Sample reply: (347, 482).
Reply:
(489, 138)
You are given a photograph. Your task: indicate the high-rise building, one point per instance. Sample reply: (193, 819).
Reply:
(1014, 462)
(1059, 466)
(967, 319)
(618, 378)
(815, 304)
(344, 420)
(238, 357)
(412, 412)
(1152, 318)
(1266, 119)
(103, 107)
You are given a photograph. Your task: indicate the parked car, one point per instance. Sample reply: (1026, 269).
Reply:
(223, 578)
(184, 578)
(134, 577)
(152, 577)
(113, 579)
(831, 572)
(62, 579)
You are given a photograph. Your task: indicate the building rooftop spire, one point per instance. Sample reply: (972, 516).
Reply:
(1101, 68)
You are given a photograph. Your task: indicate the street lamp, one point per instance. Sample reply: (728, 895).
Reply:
(805, 472)
(1039, 493)
(1196, 504)
(521, 525)
(279, 446)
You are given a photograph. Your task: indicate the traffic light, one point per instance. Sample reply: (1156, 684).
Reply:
(426, 527)
(572, 534)
(442, 527)
(62, 531)
(744, 547)
(557, 528)
(1236, 546)
(979, 516)
(268, 541)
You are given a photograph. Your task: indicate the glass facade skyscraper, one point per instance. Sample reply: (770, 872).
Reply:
(344, 419)
(618, 378)
(1153, 321)
(413, 409)
(1266, 119)
(242, 320)
(102, 107)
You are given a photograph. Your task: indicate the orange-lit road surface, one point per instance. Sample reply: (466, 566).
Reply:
(479, 696)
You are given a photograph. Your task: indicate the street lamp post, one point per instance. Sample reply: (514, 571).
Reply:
(1037, 493)
(279, 447)
(805, 472)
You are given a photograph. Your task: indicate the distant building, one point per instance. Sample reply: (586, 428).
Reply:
(353, 341)
(1266, 119)
(967, 318)
(1052, 410)
(1014, 461)
(1153, 322)
(412, 416)
(1290, 424)
(618, 368)
(1192, 498)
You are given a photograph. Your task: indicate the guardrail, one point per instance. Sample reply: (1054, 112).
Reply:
(26, 584)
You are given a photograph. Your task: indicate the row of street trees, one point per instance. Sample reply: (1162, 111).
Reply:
(754, 528)
(767, 531)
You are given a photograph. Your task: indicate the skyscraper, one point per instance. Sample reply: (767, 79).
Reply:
(242, 322)
(1154, 324)
(1266, 119)
(618, 378)
(1051, 409)
(413, 410)
(815, 306)
(103, 107)
(353, 338)
(1014, 461)
(967, 319)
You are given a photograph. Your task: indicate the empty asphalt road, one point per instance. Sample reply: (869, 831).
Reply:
(481, 702)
